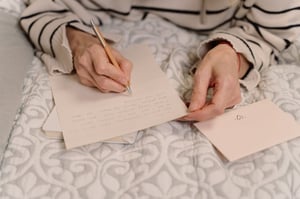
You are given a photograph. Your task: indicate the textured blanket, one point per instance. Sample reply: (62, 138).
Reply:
(172, 160)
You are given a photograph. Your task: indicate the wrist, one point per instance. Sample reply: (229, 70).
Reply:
(243, 64)
(77, 38)
(72, 36)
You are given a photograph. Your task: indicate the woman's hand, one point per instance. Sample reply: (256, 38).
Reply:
(220, 69)
(93, 66)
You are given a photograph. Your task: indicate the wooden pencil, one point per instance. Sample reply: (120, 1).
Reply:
(108, 51)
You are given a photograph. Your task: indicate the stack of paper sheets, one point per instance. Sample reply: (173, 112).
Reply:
(87, 115)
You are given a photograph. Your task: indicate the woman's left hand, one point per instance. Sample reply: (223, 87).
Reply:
(220, 69)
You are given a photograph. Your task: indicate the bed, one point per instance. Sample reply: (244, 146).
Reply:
(171, 160)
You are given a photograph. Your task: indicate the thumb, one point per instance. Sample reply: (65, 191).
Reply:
(201, 84)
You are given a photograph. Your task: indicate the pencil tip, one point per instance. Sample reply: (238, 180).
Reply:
(129, 90)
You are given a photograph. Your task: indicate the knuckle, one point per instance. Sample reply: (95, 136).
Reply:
(93, 48)
(82, 59)
(100, 69)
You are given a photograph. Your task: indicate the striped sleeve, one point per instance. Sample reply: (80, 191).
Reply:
(261, 31)
(45, 22)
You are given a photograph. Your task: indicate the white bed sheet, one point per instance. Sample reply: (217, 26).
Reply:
(172, 160)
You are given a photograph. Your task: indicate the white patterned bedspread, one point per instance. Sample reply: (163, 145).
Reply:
(172, 160)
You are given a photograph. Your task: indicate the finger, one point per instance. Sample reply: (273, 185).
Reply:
(215, 107)
(221, 100)
(201, 84)
(102, 66)
(106, 84)
(85, 78)
(221, 94)
(87, 75)
(92, 80)
(207, 112)
(125, 64)
(81, 65)
(227, 92)
(86, 82)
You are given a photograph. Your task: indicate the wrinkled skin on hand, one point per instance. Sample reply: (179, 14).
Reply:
(220, 69)
(93, 66)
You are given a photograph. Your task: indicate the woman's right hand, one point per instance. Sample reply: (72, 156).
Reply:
(93, 66)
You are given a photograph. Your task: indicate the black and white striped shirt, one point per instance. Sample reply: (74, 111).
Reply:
(259, 29)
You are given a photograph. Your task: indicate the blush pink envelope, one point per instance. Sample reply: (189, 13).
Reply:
(249, 129)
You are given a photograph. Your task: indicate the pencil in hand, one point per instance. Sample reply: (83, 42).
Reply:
(108, 51)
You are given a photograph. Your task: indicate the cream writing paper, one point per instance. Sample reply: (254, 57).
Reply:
(51, 126)
(87, 115)
(249, 129)
(52, 129)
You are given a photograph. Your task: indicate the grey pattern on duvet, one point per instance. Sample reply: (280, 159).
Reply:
(172, 160)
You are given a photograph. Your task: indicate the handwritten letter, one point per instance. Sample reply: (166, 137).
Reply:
(87, 115)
